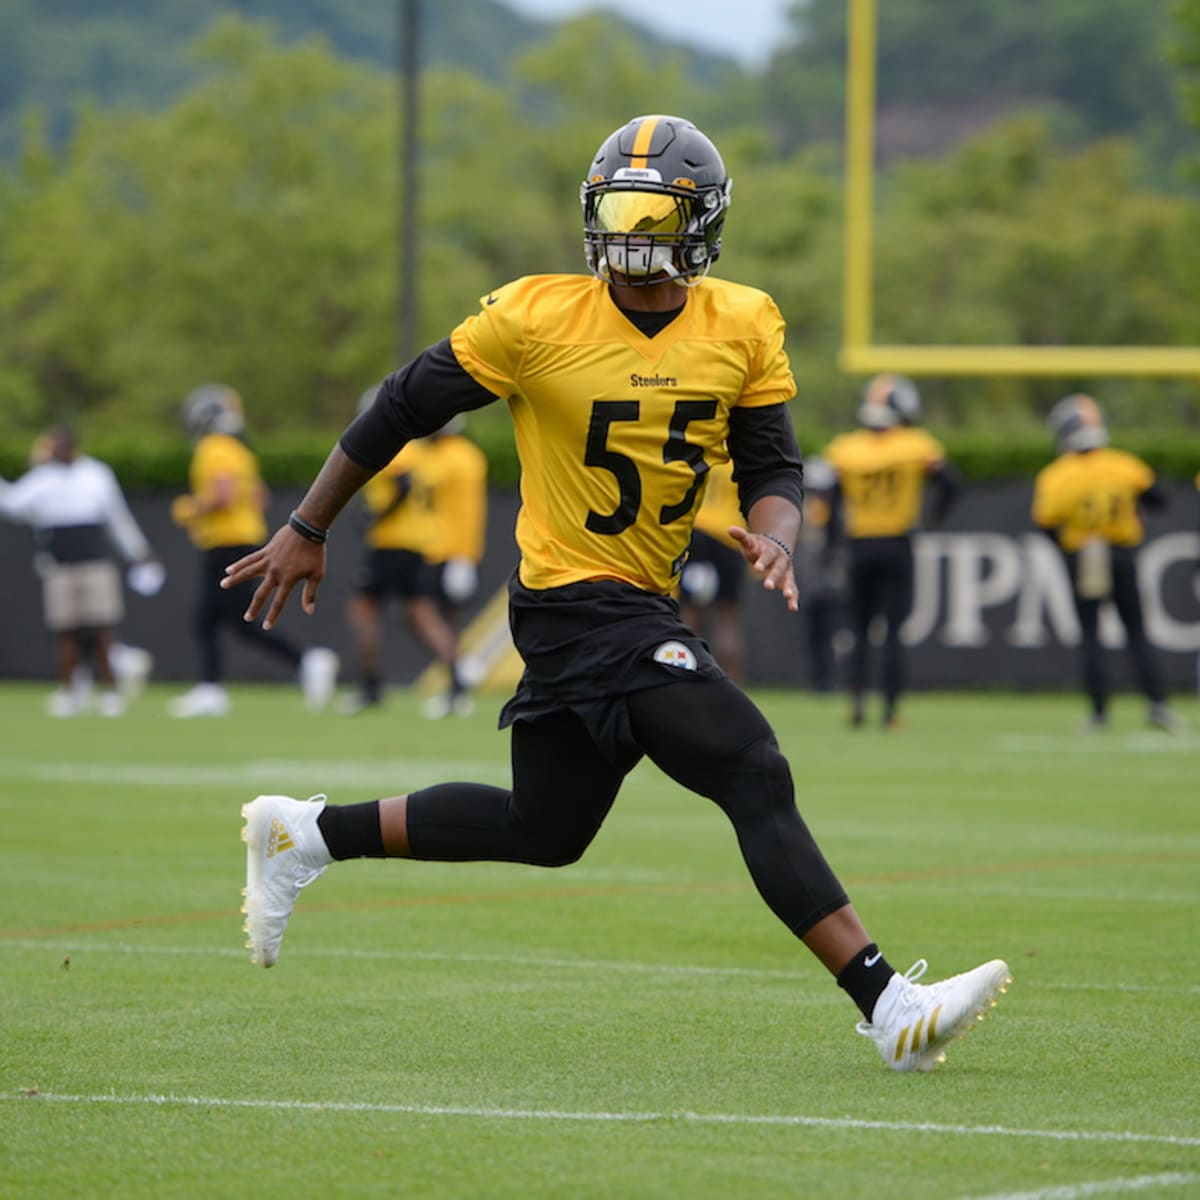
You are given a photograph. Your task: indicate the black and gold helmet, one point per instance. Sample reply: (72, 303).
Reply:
(889, 400)
(1077, 424)
(654, 201)
(213, 408)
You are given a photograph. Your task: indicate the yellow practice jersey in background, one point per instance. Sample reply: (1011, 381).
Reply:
(1092, 494)
(720, 507)
(455, 470)
(610, 424)
(240, 523)
(882, 475)
(409, 524)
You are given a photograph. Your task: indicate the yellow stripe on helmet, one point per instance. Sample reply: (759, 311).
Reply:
(641, 144)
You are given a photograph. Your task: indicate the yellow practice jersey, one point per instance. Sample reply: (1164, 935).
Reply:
(882, 475)
(407, 524)
(456, 471)
(1092, 494)
(720, 507)
(219, 456)
(611, 425)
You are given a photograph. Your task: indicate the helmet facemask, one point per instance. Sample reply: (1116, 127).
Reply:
(639, 231)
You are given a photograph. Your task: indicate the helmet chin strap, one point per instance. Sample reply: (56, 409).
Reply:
(605, 268)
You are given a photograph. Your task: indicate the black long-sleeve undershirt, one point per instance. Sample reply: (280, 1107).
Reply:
(423, 395)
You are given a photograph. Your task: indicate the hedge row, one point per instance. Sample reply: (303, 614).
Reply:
(296, 458)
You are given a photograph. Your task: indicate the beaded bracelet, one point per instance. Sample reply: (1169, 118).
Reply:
(779, 542)
(305, 530)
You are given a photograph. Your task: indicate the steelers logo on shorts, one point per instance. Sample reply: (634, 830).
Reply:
(675, 654)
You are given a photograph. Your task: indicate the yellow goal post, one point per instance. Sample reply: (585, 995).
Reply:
(860, 354)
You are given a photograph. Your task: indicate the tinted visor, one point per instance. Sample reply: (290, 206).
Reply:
(640, 212)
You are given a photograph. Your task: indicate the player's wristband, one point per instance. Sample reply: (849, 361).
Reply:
(780, 543)
(309, 532)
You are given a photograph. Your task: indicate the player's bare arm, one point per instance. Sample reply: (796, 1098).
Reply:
(289, 557)
(774, 526)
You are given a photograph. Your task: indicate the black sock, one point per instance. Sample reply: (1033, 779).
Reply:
(864, 977)
(352, 830)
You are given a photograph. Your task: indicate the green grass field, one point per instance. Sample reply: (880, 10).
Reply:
(636, 1025)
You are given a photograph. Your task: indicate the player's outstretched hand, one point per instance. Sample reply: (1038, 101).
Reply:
(285, 560)
(770, 562)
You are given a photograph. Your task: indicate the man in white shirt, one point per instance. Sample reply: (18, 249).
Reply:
(78, 514)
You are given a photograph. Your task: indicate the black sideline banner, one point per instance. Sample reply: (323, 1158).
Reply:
(992, 605)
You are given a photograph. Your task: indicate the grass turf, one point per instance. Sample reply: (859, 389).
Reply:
(637, 1025)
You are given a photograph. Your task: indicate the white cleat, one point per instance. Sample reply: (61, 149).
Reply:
(318, 676)
(204, 700)
(913, 1022)
(66, 703)
(437, 708)
(284, 852)
(131, 666)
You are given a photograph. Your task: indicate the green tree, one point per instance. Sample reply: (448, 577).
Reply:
(1094, 65)
(236, 236)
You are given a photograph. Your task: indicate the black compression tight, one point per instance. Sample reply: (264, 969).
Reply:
(705, 734)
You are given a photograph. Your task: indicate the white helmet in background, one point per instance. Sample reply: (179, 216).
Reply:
(213, 408)
(1077, 424)
(889, 400)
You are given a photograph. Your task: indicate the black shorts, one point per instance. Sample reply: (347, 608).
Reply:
(587, 646)
(401, 573)
(707, 554)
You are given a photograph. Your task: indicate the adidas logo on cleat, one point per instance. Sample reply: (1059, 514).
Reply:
(923, 1028)
(913, 1023)
(278, 840)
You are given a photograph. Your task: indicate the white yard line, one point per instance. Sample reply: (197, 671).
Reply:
(407, 772)
(78, 948)
(1105, 1187)
(583, 1117)
(1097, 745)
(81, 946)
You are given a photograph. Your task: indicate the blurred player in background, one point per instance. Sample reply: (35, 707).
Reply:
(821, 556)
(1088, 501)
(224, 516)
(79, 514)
(456, 470)
(425, 514)
(623, 386)
(882, 469)
(710, 584)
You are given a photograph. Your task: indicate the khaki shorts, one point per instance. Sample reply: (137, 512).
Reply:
(85, 595)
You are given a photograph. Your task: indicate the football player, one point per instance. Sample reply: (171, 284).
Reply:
(882, 471)
(424, 539)
(1088, 499)
(625, 386)
(224, 516)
